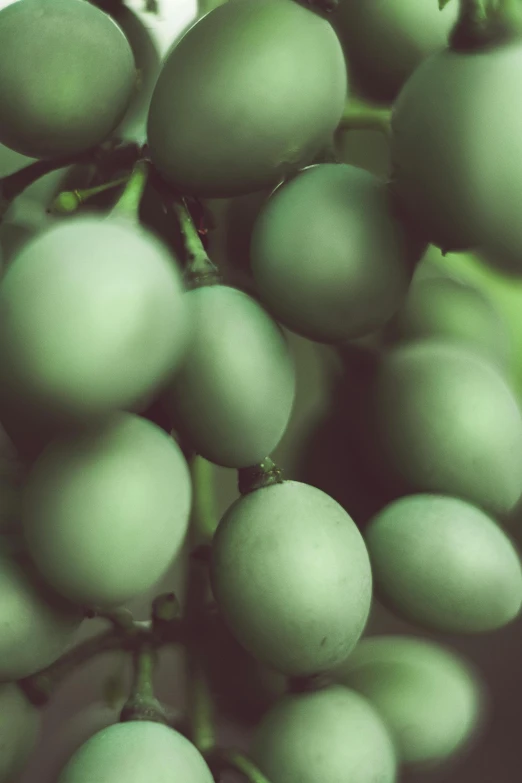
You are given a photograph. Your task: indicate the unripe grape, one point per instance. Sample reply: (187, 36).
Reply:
(444, 420)
(329, 259)
(92, 317)
(233, 394)
(19, 729)
(329, 735)
(67, 74)
(430, 699)
(138, 752)
(217, 130)
(445, 564)
(292, 577)
(37, 624)
(105, 510)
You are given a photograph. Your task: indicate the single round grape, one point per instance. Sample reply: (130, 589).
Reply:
(329, 259)
(217, 130)
(385, 41)
(92, 317)
(292, 577)
(67, 75)
(105, 510)
(429, 697)
(444, 420)
(329, 735)
(445, 564)
(233, 394)
(37, 624)
(456, 148)
(19, 730)
(137, 752)
(445, 308)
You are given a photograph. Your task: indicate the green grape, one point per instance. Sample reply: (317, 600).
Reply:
(105, 510)
(137, 752)
(67, 74)
(251, 93)
(329, 735)
(445, 564)
(291, 575)
(446, 308)
(19, 731)
(430, 699)
(442, 419)
(233, 394)
(92, 317)
(37, 624)
(386, 40)
(328, 257)
(455, 149)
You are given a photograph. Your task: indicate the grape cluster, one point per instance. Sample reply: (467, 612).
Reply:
(206, 224)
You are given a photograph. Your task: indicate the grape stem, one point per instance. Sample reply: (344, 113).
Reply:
(68, 201)
(142, 704)
(205, 514)
(128, 204)
(229, 758)
(199, 269)
(360, 116)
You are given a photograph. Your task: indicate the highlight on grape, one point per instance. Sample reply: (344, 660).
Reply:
(284, 251)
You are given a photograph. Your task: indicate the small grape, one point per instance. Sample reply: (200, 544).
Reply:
(20, 727)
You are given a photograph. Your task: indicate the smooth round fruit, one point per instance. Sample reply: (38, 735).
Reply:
(446, 308)
(430, 699)
(137, 752)
(442, 419)
(37, 625)
(456, 148)
(105, 511)
(221, 123)
(331, 735)
(233, 395)
(67, 74)
(445, 564)
(329, 259)
(386, 40)
(92, 317)
(19, 729)
(292, 577)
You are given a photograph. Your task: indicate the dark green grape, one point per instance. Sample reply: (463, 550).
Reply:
(386, 40)
(67, 74)
(251, 93)
(105, 510)
(445, 564)
(233, 394)
(430, 699)
(329, 259)
(329, 735)
(19, 730)
(442, 419)
(292, 578)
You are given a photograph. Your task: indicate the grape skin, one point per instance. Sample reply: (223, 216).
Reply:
(37, 625)
(445, 564)
(330, 735)
(67, 75)
(105, 511)
(233, 395)
(92, 317)
(20, 727)
(429, 697)
(292, 578)
(328, 258)
(137, 752)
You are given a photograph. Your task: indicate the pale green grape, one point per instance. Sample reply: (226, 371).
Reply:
(291, 575)
(92, 317)
(445, 564)
(67, 74)
(19, 730)
(430, 698)
(330, 735)
(233, 395)
(137, 752)
(37, 625)
(105, 511)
